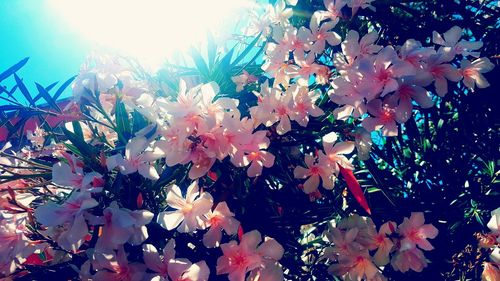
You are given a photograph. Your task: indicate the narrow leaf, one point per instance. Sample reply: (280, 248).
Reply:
(13, 69)
(355, 188)
(200, 63)
(63, 87)
(24, 90)
(46, 96)
(247, 50)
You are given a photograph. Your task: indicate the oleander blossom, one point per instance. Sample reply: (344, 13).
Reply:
(189, 210)
(160, 174)
(248, 256)
(357, 248)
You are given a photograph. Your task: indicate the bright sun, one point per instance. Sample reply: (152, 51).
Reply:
(151, 30)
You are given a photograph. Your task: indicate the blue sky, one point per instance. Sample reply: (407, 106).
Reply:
(29, 28)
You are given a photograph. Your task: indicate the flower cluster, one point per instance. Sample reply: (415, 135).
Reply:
(385, 81)
(491, 241)
(326, 165)
(131, 189)
(355, 238)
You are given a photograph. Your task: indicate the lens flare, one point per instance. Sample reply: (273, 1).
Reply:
(150, 30)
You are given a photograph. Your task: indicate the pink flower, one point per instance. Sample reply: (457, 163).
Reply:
(243, 79)
(403, 99)
(384, 117)
(307, 68)
(114, 266)
(322, 33)
(184, 270)
(415, 232)
(383, 243)
(353, 47)
(450, 44)
(363, 4)
(257, 160)
(121, 225)
(253, 154)
(71, 213)
(413, 53)
(383, 70)
(413, 259)
(14, 244)
(437, 70)
(355, 266)
(217, 220)
(494, 223)
(491, 272)
(157, 263)
(471, 71)
(299, 40)
(136, 159)
(240, 259)
(344, 242)
(73, 176)
(304, 105)
(189, 211)
(333, 12)
(313, 172)
(37, 137)
(334, 152)
(279, 14)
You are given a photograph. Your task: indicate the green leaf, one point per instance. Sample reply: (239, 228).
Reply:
(122, 122)
(13, 69)
(373, 189)
(46, 96)
(200, 63)
(138, 121)
(77, 129)
(63, 87)
(211, 50)
(24, 90)
(84, 149)
(247, 50)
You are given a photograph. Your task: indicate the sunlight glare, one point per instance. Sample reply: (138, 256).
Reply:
(150, 30)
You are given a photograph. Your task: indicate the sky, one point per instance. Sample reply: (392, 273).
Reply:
(30, 28)
(58, 35)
